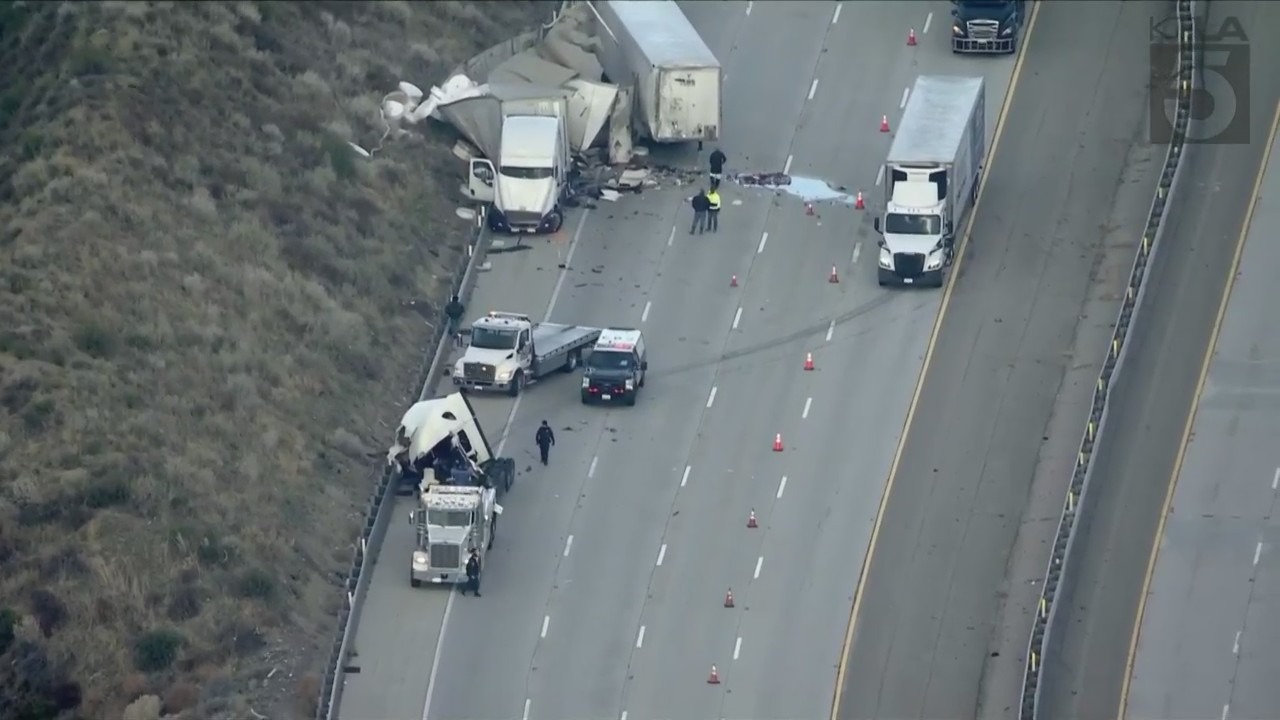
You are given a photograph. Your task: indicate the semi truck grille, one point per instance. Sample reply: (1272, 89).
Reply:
(482, 372)
(983, 29)
(445, 556)
(908, 265)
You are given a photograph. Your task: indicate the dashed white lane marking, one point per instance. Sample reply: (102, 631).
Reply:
(813, 88)
(749, 7)
(640, 637)
(737, 317)
(737, 648)
(662, 555)
(672, 237)
(759, 564)
(591, 471)
(880, 176)
(624, 715)
(808, 402)
(831, 329)
(1226, 710)
(1257, 553)
(711, 399)
(836, 18)
(786, 167)
(527, 703)
(1235, 646)
(782, 486)
(546, 623)
(1275, 479)
(764, 238)
(645, 315)
(928, 20)
(684, 479)
(906, 93)
(857, 251)
(568, 545)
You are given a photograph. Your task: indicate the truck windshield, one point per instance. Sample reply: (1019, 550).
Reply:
(449, 518)
(985, 3)
(526, 173)
(486, 339)
(896, 224)
(608, 360)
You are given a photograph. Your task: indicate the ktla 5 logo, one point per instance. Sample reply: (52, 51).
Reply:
(1220, 95)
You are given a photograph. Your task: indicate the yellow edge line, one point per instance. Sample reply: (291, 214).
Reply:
(1191, 416)
(924, 370)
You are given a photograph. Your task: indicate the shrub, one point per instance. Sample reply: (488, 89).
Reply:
(157, 650)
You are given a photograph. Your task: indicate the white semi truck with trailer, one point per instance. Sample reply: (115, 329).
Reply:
(931, 178)
(456, 512)
(651, 47)
(507, 351)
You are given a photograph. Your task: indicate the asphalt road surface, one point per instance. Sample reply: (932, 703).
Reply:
(603, 596)
(936, 611)
(1207, 647)
(1134, 465)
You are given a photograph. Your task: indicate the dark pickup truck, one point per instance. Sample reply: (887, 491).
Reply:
(987, 26)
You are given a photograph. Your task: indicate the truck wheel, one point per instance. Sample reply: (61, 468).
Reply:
(586, 399)
(415, 582)
(517, 384)
(557, 221)
(631, 400)
(493, 531)
(642, 377)
(571, 362)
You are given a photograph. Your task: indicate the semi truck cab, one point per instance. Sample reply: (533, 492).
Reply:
(986, 26)
(526, 190)
(918, 233)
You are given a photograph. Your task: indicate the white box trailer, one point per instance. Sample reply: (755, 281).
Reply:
(651, 46)
(931, 178)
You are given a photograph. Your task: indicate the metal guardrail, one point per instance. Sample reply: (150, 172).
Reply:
(1046, 610)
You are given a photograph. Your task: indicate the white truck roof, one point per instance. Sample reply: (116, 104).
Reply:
(498, 319)
(618, 339)
(452, 497)
(934, 123)
(664, 34)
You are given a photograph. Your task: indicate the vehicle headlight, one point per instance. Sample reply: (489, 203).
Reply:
(957, 28)
(630, 384)
(504, 376)
(586, 382)
(886, 259)
(420, 559)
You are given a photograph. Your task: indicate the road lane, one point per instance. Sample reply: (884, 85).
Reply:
(1134, 461)
(932, 593)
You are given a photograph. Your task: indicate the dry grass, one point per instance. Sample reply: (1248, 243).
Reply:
(202, 324)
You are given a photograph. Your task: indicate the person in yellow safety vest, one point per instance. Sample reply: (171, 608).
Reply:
(713, 211)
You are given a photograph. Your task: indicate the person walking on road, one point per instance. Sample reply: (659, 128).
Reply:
(713, 210)
(700, 207)
(717, 168)
(454, 311)
(544, 440)
(473, 574)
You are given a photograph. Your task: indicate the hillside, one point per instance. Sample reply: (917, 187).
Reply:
(207, 333)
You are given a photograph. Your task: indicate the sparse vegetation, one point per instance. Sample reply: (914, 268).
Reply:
(204, 332)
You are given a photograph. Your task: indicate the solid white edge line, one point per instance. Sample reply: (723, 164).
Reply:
(737, 648)
(644, 316)
(568, 545)
(546, 622)
(836, 18)
(591, 471)
(808, 402)
(782, 486)
(684, 479)
(737, 317)
(764, 238)
(662, 555)
(640, 637)
(813, 88)
(928, 20)
(759, 564)
(711, 399)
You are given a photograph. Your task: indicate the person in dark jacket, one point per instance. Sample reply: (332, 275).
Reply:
(454, 311)
(473, 574)
(717, 168)
(544, 440)
(700, 207)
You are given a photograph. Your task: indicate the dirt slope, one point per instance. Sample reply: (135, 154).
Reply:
(205, 333)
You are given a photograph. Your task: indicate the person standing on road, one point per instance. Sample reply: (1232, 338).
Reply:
(713, 210)
(473, 574)
(700, 207)
(717, 168)
(544, 440)
(453, 313)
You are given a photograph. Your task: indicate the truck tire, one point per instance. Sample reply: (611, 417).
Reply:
(571, 362)
(415, 582)
(631, 400)
(517, 384)
(493, 531)
(557, 221)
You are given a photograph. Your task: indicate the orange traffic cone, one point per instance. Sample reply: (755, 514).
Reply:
(834, 277)
(715, 677)
(884, 123)
(777, 442)
(751, 521)
(808, 208)
(728, 598)
(733, 281)
(808, 361)
(911, 37)
(857, 202)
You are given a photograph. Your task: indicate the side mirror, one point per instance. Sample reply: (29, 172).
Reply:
(644, 365)
(875, 223)
(882, 243)
(955, 13)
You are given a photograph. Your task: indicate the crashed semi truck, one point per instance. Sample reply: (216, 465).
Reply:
(507, 351)
(986, 26)
(456, 512)
(931, 178)
(651, 47)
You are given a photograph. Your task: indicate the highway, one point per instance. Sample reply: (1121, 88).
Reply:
(1148, 419)
(940, 623)
(1207, 646)
(604, 594)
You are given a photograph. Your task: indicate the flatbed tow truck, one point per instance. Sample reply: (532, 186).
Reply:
(507, 351)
